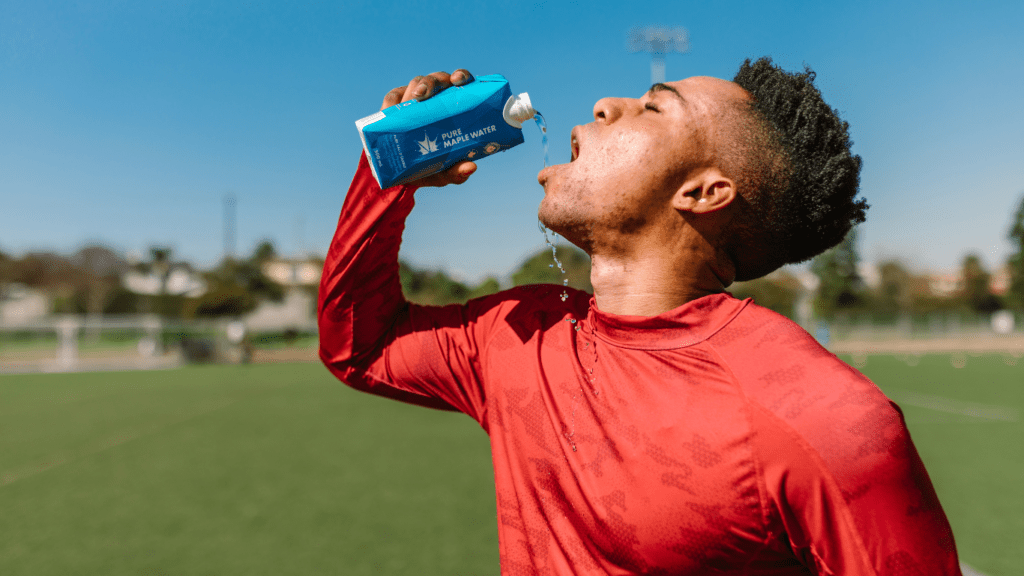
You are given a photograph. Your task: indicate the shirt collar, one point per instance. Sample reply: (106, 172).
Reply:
(693, 322)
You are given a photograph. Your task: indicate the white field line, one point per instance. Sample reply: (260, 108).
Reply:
(951, 406)
(969, 571)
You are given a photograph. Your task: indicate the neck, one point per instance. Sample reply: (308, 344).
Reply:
(648, 282)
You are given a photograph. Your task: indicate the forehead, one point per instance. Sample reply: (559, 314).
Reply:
(708, 91)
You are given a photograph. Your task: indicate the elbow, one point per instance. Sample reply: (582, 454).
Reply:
(334, 324)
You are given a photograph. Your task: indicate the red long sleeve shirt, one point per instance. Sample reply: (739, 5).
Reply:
(718, 437)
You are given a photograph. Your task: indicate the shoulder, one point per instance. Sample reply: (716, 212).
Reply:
(833, 452)
(797, 383)
(809, 408)
(523, 302)
(523, 309)
(764, 348)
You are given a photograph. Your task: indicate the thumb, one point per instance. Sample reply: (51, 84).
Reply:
(463, 171)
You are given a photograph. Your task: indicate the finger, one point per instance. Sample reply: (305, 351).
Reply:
(461, 171)
(456, 174)
(461, 76)
(410, 90)
(431, 85)
(393, 97)
(423, 87)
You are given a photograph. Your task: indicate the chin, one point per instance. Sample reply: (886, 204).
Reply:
(548, 216)
(573, 230)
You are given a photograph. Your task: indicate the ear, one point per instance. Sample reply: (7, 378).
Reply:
(707, 191)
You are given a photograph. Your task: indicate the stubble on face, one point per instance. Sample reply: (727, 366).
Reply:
(595, 209)
(566, 212)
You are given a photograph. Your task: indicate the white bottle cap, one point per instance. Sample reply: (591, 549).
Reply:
(518, 110)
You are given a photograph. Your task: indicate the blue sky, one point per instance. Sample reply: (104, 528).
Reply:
(128, 122)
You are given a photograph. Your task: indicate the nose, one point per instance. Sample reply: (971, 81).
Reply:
(608, 109)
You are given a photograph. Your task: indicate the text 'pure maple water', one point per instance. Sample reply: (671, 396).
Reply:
(414, 139)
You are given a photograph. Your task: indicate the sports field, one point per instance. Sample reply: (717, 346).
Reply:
(278, 469)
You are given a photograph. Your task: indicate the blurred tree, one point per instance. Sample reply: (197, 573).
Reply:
(841, 287)
(222, 300)
(777, 291)
(44, 270)
(1015, 294)
(80, 284)
(236, 287)
(976, 291)
(123, 301)
(6, 267)
(431, 286)
(436, 288)
(895, 289)
(540, 268)
(264, 251)
(159, 263)
(51, 273)
(489, 286)
(101, 270)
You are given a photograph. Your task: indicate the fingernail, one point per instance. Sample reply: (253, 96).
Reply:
(420, 90)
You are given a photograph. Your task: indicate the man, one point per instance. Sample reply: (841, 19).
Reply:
(660, 426)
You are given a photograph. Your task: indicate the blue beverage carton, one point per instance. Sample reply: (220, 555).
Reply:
(413, 139)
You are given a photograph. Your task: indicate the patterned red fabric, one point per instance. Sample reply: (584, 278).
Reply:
(718, 437)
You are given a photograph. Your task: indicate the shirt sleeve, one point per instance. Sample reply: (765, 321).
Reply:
(371, 338)
(860, 510)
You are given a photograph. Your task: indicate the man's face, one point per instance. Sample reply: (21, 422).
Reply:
(631, 159)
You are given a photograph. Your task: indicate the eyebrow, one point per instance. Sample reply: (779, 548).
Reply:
(659, 87)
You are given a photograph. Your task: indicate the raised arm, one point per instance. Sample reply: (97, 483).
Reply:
(361, 301)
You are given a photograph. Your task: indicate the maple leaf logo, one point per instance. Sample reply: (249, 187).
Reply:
(427, 145)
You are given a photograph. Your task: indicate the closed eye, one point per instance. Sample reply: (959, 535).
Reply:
(651, 107)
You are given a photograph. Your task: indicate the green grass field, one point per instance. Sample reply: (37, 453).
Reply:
(272, 469)
(280, 469)
(975, 463)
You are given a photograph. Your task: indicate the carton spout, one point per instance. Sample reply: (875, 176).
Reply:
(518, 109)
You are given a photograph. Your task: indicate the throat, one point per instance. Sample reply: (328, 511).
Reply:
(648, 287)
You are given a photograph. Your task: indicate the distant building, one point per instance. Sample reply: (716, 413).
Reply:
(290, 272)
(949, 284)
(999, 283)
(869, 274)
(20, 304)
(181, 280)
(945, 284)
(296, 311)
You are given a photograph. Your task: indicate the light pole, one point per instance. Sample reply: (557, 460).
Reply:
(229, 225)
(658, 41)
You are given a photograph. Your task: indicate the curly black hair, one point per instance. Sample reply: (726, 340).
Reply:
(796, 177)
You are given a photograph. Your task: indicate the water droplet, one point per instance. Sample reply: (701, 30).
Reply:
(554, 256)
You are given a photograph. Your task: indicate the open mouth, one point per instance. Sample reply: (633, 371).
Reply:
(575, 147)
